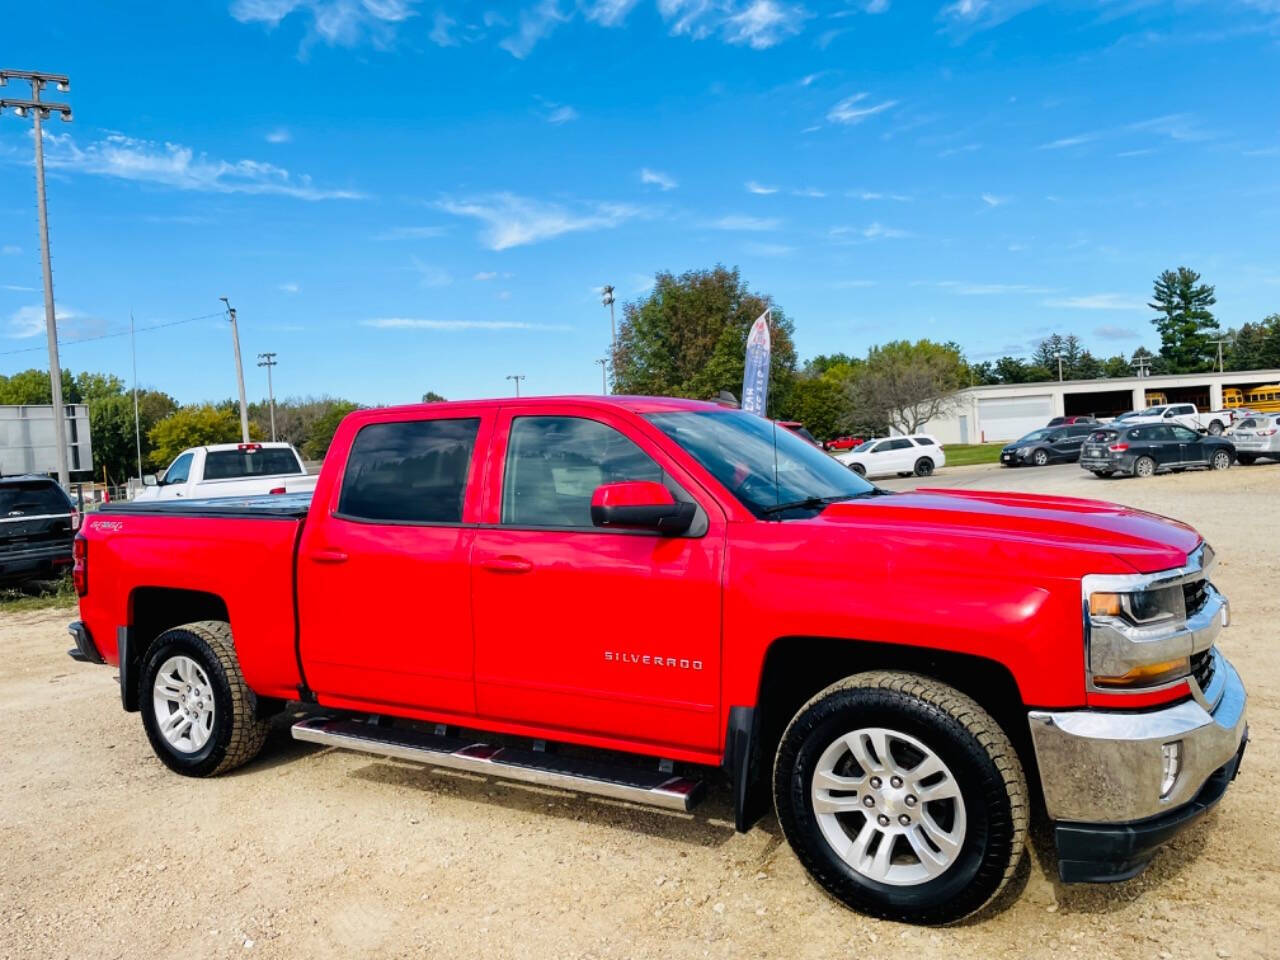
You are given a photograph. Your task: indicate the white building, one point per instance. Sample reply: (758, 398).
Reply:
(1007, 411)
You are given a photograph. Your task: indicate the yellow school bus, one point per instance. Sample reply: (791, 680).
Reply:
(1264, 399)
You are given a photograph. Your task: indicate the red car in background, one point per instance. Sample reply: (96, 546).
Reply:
(842, 443)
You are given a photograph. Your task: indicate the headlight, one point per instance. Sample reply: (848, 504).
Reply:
(1134, 638)
(1140, 608)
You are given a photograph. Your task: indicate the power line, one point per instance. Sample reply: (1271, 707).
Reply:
(122, 333)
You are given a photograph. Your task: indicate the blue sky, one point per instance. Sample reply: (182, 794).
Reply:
(401, 196)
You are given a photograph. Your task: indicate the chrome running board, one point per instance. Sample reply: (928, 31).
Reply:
(654, 788)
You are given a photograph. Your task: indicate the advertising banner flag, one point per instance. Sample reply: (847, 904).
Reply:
(755, 376)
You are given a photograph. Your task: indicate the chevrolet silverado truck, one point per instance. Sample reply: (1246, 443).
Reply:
(629, 596)
(229, 470)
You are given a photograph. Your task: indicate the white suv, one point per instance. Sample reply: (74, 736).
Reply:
(920, 454)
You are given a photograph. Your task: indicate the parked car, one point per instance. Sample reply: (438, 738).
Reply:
(1151, 448)
(37, 524)
(844, 443)
(1047, 445)
(230, 470)
(691, 586)
(1257, 436)
(1068, 421)
(800, 431)
(1186, 414)
(920, 454)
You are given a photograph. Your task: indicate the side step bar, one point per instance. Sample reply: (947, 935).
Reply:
(651, 787)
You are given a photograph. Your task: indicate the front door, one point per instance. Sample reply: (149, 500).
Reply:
(383, 575)
(609, 632)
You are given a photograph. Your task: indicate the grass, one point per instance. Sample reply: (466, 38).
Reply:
(33, 597)
(968, 454)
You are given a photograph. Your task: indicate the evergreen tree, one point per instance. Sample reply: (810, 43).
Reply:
(1186, 324)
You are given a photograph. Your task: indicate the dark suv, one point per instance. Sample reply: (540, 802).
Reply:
(37, 526)
(1047, 445)
(1151, 448)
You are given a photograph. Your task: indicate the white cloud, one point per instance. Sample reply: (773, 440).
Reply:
(812, 192)
(17, 288)
(658, 179)
(988, 289)
(851, 284)
(769, 249)
(178, 166)
(1110, 331)
(442, 30)
(503, 294)
(27, 322)
(991, 200)
(608, 13)
(514, 221)
(10, 250)
(871, 231)
(279, 135)
(535, 23)
(764, 23)
(741, 222)
(1099, 301)
(415, 323)
(760, 188)
(430, 275)
(290, 287)
(562, 114)
(1064, 142)
(412, 233)
(484, 275)
(343, 23)
(965, 148)
(876, 6)
(849, 111)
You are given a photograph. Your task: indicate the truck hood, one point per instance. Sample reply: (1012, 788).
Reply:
(1142, 542)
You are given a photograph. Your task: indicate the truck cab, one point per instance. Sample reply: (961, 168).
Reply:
(229, 470)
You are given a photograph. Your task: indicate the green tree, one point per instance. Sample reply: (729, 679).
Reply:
(320, 434)
(32, 386)
(908, 384)
(1117, 366)
(191, 427)
(1255, 346)
(688, 338)
(1184, 320)
(432, 397)
(95, 386)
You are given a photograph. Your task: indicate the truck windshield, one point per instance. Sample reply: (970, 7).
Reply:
(268, 462)
(760, 464)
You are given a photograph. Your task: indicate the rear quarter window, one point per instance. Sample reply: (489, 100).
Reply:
(924, 441)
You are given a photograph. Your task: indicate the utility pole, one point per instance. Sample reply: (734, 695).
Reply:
(268, 360)
(1059, 356)
(1143, 364)
(1220, 343)
(517, 377)
(604, 384)
(137, 423)
(606, 299)
(40, 111)
(235, 341)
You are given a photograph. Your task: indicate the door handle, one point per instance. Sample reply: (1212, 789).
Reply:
(507, 564)
(329, 556)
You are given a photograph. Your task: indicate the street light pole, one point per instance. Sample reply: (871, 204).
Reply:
(40, 111)
(606, 299)
(604, 384)
(268, 360)
(517, 377)
(235, 342)
(1059, 356)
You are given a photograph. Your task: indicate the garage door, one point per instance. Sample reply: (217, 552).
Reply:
(1010, 418)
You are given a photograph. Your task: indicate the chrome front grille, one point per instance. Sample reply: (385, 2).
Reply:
(1202, 668)
(1195, 594)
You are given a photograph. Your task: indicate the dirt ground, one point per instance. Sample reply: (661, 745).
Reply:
(310, 852)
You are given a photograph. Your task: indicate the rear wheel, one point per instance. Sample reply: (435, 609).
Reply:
(1221, 460)
(902, 797)
(859, 469)
(1040, 458)
(924, 467)
(1144, 467)
(1246, 459)
(199, 714)
(1215, 428)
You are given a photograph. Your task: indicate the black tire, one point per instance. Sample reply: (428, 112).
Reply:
(1144, 467)
(924, 467)
(1215, 428)
(237, 734)
(859, 469)
(1220, 460)
(976, 750)
(1040, 458)
(904, 473)
(1246, 459)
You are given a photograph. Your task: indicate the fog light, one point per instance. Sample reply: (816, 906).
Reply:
(1171, 757)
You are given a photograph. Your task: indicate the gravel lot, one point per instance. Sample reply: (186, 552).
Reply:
(313, 852)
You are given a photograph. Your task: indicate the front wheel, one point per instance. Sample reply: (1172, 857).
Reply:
(1221, 460)
(902, 797)
(1040, 458)
(924, 467)
(199, 714)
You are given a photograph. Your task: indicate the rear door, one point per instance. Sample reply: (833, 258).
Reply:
(1073, 437)
(1191, 448)
(891, 456)
(609, 632)
(383, 566)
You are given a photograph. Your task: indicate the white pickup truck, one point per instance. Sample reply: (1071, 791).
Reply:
(230, 470)
(1214, 422)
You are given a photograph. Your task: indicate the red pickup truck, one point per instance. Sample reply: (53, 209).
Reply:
(625, 594)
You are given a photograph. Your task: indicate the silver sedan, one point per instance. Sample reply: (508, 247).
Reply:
(1257, 436)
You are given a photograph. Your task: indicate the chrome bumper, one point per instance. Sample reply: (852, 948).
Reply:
(1100, 766)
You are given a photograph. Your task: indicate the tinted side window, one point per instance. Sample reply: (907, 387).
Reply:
(229, 464)
(1139, 433)
(1081, 431)
(414, 471)
(1183, 435)
(924, 442)
(180, 469)
(554, 465)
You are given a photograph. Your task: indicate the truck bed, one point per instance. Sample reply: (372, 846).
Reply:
(280, 506)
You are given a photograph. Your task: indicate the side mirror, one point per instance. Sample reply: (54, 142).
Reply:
(640, 505)
(149, 480)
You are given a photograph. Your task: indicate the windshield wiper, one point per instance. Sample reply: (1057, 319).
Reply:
(813, 502)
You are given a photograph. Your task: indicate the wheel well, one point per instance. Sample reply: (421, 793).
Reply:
(152, 611)
(796, 668)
